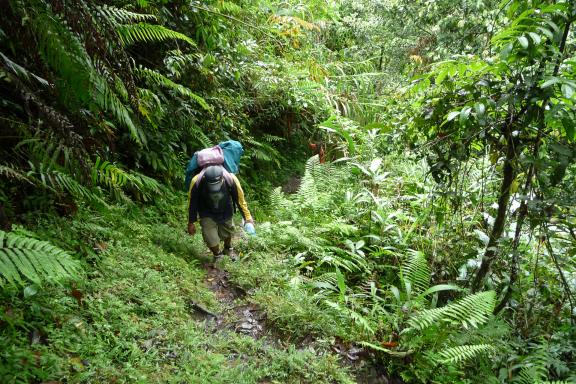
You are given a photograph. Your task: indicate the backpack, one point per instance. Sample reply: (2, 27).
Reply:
(231, 150)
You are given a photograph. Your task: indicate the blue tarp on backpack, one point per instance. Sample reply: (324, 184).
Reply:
(232, 153)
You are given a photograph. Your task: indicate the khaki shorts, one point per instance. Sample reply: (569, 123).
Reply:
(213, 233)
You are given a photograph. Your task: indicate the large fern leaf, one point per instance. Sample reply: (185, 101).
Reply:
(148, 33)
(462, 353)
(416, 270)
(24, 259)
(470, 311)
(158, 79)
(59, 181)
(13, 173)
(123, 16)
(82, 85)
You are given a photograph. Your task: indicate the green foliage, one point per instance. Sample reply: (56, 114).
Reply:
(25, 259)
(416, 271)
(147, 33)
(471, 311)
(158, 79)
(463, 352)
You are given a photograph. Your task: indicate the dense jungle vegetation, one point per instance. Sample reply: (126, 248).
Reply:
(410, 165)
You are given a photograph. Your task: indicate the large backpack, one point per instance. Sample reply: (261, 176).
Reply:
(231, 153)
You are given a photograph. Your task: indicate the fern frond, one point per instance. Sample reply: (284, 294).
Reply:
(416, 270)
(22, 72)
(158, 79)
(264, 152)
(470, 311)
(535, 369)
(25, 259)
(148, 33)
(107, 99)
(13, 173)
(106, 173)
(279, 200)
(353, 315)
(456, 355)
(340, 258)
(229, 8)
(122, 16)
(59, 181)
(83, 84)
(326, 281)
(145, 186)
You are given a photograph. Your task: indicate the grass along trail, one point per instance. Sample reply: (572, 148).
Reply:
(148, 311)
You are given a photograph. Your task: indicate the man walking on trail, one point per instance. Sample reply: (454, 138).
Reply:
(213, 194)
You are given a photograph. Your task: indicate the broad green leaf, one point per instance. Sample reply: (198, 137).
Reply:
(440, 287)
(569, 128)
(452, 115)
(535, 37)
(548, 33)
(567, 91)
(550, 82)
(465, 114)
(480, 109)
(441, 76)
(523, 42)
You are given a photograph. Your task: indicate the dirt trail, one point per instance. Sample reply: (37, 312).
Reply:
(237, 314)
(243, 317)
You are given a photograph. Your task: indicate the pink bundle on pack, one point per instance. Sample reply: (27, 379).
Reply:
(210, 156)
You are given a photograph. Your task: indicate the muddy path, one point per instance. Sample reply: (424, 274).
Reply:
(238, 314)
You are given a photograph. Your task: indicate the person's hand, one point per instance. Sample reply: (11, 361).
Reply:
(249, 228)
(191, 229)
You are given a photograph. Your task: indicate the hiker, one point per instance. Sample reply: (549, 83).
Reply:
(214, 193)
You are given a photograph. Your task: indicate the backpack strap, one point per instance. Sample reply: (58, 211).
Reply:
(228, 177)
(199, 178)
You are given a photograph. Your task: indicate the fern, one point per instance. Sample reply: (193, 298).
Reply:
(25, 259)
(63, 51)
(350, 261)
(108, 174)
(115, 178)
(536, 366)
(456, 355)
(148, 33)
(158, 79)
(349, 313)
(107, 99)
(58, 181)
(470, 311)
(13, 173)
(416, 270)
(22, 72)
(122, 16)
(143, 185)
(264, 152)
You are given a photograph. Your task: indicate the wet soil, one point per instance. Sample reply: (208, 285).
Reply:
(241, 316)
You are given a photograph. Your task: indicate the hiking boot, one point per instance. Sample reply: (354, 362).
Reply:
(218, 257)
(230, 253)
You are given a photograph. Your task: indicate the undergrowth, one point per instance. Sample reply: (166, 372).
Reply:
(129, 316)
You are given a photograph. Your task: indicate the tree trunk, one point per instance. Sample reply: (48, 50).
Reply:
(491, 251)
